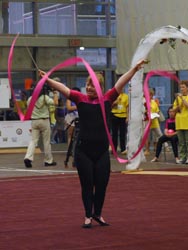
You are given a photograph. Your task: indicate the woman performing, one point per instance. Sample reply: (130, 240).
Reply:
(91, 151)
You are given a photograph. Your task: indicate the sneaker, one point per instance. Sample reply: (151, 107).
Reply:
(46, 164)
(27, 163)
(124, 152)
(178, 161)
(154, 160)
(186, 161)
(182, 161)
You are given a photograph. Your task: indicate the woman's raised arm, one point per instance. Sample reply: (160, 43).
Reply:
(56, 85)
(125, 78)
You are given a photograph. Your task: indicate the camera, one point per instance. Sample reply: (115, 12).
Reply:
(45, 90)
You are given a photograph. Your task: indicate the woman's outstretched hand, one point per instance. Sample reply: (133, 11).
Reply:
(41, 73)
(140, 64)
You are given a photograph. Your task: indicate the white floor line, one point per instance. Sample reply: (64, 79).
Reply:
(37, 170)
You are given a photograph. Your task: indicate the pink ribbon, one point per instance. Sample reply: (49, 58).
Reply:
(10, 58)
(72, 61)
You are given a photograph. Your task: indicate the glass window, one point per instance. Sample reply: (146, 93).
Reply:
(183, 74)
(114, 57)
(88, 19)
(95, 57)
(19, 18)
(56, 19)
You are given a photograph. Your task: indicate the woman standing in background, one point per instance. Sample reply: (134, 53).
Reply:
(180, 105)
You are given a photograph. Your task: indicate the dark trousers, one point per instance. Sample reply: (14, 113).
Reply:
(163, 139)
(93, 165)
(119, 130)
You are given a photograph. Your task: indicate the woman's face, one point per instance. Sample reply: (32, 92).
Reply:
(172, 113)
(183, 89)
(90, 90)
(151, 95)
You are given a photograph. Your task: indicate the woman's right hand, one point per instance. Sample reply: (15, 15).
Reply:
(41, 73)
(141, 63)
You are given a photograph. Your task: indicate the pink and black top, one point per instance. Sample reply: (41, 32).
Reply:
(170, 124)
(91, 122)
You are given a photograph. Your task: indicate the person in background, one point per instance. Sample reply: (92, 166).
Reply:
(161, 116)
(72, 114)
(40, 125)
(119, 121)
(52, 109)
(155, 98)
(180, 105)
(170, 135)
(22, 103)
(155, 130)
(91, 151)
(60, 114)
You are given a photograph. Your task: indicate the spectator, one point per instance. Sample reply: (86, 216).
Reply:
(170, 135)
(180, 105)
(155, 131)
(72, 114)
(119, 121)
(60, 114)
(40, 125)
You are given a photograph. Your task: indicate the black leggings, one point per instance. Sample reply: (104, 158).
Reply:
(119, 129)
(164, 138)
(94, 171)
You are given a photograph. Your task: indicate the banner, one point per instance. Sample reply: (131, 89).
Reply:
(15, 134)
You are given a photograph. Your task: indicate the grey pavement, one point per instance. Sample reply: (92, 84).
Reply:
(12, 165)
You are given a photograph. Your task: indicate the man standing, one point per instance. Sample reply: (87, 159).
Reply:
(119, 121)
(40, 124)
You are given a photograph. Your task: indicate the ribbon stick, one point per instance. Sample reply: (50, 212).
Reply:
(29, 52)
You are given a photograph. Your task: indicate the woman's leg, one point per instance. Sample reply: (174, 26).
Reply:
(186, 143)
(181, 144)
(122, 133)
(85, 171)
(101, 178)
(115, 126)
(46, 133)
(35, 138)
(174, 143)
(147, 144)
(69, 134)
(160, 142)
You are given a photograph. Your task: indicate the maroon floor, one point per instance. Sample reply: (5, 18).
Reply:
(145, 212)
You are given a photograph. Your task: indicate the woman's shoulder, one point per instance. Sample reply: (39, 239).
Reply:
(77, 96)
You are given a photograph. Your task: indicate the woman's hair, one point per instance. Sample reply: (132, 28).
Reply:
(151, 91)
(99, 77)
(184, 82)
(170, 108)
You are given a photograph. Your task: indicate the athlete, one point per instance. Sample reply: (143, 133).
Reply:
(91, 151)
